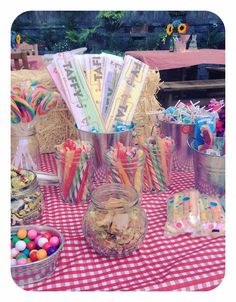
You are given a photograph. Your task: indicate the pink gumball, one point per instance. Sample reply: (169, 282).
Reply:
(32, 234)
(54, 241)
(21, 261)
(36, 240)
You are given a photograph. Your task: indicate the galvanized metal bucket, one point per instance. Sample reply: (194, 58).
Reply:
(101, 143)
(183, 155)
(209, 171)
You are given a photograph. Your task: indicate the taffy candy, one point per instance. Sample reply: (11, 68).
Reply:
(182, 213)
(195, 213)
(212, 216)
(27, 252)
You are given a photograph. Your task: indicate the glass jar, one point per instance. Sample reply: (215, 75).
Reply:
(127, 171)
(26, 197)
(75, 173)
(114, 223)
(24, 147)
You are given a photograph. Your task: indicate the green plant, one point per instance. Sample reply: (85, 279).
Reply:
(112, 20)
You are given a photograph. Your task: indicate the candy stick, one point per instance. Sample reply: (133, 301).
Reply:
(123, 176)
(151, 175)
(160, 143)
(76, 177)
(156, 165)
(68, 163)
(83, 182)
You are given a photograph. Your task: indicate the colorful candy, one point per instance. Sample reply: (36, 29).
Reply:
(191, 212)
(74, 159)
(38, 248)
(157, 173)
(31, 100)
(184, 113)
(126, 165)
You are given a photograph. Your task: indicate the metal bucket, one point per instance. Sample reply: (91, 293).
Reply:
(183, 155)
(209, 171)
(101, 143)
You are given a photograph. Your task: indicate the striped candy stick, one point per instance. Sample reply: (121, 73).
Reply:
(123, 176)
(159, 161)
(157, 165)
(149, 171)
(76, 181)
(72, 172)
(161, 145)
(69, 155)
(84, 178)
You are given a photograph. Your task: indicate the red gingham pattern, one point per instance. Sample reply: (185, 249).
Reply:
(161, 264)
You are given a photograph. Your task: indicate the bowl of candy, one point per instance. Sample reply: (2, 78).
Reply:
(34, 252)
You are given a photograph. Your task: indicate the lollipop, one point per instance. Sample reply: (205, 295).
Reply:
(48, 103)
(15, 113)
(27, 112)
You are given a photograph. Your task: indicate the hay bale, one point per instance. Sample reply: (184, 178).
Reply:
(58, 125)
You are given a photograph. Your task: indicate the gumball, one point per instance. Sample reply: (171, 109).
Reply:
(21, 261)
(38, 247)
(33, 251)
(14, 239)
(26, 240)
(54, 241)
(33, 256)
(32, 234)
(47, 235)
(21, 255)
(13, 261)
(26, 252)
(37, 239)
(29, 260)
(14, 252)
(31, 245)
(22, 233)
(41, 254)
(46, 246)
(51, 250)
(42, 241)
(20, 245)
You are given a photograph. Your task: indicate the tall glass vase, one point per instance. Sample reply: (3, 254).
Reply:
(24, 146)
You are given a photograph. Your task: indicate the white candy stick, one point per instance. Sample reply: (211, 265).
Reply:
(177, 103)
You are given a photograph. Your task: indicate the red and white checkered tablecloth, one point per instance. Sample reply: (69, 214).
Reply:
(161, 264)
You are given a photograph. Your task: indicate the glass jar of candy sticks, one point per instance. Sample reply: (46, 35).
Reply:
(159, 155)
(24, 146)
(126, 166)
(114, 224)
(75, 170)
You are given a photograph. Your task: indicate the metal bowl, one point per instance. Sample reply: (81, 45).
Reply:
(35, 271)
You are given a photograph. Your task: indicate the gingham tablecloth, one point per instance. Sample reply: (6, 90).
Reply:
(161, 264)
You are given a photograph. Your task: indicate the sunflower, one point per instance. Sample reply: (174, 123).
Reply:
(169, 29)
(182, 28)
(18, 39)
